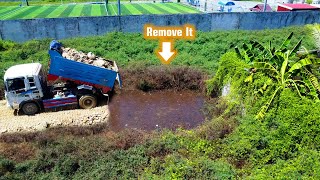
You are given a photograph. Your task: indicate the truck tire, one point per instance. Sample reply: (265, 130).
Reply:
(87, 101)
(30, 108)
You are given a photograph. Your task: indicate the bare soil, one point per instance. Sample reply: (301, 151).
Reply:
(9, 123)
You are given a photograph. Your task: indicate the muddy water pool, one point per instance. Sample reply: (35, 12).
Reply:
(153, 110)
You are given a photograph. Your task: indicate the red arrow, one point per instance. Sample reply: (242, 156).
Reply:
(166, 52)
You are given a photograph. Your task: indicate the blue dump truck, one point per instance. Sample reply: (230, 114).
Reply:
(68, 83)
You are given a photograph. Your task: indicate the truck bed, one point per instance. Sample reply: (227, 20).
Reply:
(82, 73)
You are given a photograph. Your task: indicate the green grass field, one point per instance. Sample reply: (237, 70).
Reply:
(77, 10)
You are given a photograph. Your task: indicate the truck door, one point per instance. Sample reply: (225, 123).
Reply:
(14, 90)
(17, 85)
(34, 88)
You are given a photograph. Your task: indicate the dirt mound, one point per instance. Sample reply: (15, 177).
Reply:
(77, 117)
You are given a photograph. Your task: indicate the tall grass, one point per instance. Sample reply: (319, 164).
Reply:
(133, 50)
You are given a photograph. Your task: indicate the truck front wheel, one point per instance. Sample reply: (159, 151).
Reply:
(87, 102)
(30, 108)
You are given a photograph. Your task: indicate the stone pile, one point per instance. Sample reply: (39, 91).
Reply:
(89, 58)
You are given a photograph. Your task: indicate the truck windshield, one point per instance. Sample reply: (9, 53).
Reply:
(15, 84)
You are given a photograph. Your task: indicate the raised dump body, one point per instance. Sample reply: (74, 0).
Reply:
(81, 73)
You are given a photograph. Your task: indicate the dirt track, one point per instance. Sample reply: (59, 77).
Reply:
(78, 117)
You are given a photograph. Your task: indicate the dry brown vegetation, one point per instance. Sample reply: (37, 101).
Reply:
(24, 146)
(163, 78)
(18, 152)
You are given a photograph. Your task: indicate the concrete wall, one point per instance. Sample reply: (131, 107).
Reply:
(59, 28)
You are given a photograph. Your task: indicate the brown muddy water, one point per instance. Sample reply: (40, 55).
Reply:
(156, 110)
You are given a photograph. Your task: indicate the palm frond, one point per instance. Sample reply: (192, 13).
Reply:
(283, 47)
(296, 48)
(271, 70)
(248, 55)
(295, 86)
(265, 108)
(284, 65)
(313, 79)
(302, 63)
(238, 52)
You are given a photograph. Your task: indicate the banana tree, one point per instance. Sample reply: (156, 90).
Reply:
(283, 67)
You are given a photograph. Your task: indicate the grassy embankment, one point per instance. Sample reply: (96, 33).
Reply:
(233, 144)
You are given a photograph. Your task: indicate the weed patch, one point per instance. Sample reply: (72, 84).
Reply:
(163, 78)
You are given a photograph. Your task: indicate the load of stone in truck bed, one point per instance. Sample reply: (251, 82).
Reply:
(89, 58)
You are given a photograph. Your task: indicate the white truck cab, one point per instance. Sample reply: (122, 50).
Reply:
(23, 87)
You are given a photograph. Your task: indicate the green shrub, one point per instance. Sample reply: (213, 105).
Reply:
(122, 164)
(24, 167)
(304, 166)
(6, 166)
(67, 166)
(217, 128)
(176, 166)
(6, 45)
(288, 128)
(279, 146)
(231, 70)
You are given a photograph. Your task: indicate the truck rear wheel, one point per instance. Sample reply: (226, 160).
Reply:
(87, 102)
(30, 108)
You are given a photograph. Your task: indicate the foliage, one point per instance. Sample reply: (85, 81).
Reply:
(182, 154)
(282, 67)
(316, 34)
(309, 1)
(304, 166)
(286, 134)
(178, 167)
(6, 166)
(233, 68)
(286, 143)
